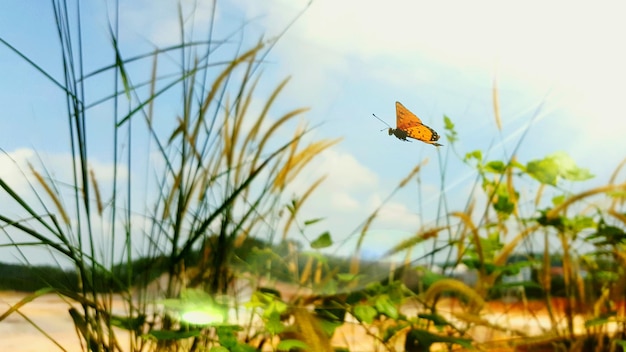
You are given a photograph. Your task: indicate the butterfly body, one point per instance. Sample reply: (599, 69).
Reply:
(400, 134)
(409, 125)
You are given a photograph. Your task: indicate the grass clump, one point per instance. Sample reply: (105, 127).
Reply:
(218, 175)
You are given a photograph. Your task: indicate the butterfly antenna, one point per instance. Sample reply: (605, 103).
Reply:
(381, 120)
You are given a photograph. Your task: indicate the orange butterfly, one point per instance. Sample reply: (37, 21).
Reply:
(409, 125)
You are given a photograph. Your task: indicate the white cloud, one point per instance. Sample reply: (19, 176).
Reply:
(527, 38)
(56, 169)
(393, 214)
(344, 201)
(341, 198)
(10, 165)
(566, 49)
(348, 196)
(343, 173)
(15, 171)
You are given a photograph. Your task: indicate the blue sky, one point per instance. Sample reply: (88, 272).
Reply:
(349, 59)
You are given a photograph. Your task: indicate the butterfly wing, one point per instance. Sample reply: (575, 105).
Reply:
(404, 118)
(413, 126)
(423, 133)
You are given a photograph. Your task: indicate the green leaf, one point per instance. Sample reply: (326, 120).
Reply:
(219, 349)
(385, 306)
(475, 263)
(448, 124)
(558, 200)
(424, 338)
(242, 347)
(328, 326)
(365, 313)
(514, 268)
(496, 167)
(579, 223)
(227, 337)
(322, 241)
(347, 277)
(601, 320)
(568, 169)
(287, 345)
(275, 307)
(292, 207)
(261, 299)
(504, 205)
(312, 221)
(331, 313)
(574, 224)
(196, 307)
(449, 127)
(609, 235)
(544, 171)
(273, 325)
(555, 166)
(429, 277)
(605, 276)
(128, 323)
(174, 335)
(620, 342)
(476, 154)
(544, 221)
(356, 297)
(331, 309)
(437, 319)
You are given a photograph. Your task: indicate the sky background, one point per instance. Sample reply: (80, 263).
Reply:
(559, 65)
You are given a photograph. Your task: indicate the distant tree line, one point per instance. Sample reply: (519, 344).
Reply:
(252, 255)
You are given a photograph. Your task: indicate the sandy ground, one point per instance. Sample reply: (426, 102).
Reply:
(26, 329)
(50, 314)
